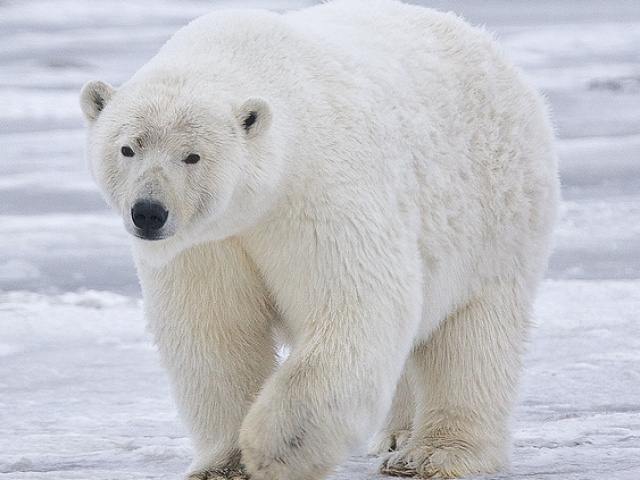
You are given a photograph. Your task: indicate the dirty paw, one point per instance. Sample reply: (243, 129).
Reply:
(450, 461)
(221, 474)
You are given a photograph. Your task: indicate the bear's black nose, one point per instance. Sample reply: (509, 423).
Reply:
(149, 216)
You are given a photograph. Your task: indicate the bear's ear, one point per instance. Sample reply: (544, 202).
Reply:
(254, 116)
(94, 98)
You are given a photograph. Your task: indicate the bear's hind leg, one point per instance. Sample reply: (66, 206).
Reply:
(465, 381)
(397, 430)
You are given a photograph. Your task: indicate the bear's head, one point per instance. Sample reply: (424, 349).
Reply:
(181, 164)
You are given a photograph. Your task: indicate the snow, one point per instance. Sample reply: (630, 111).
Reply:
(83, 395)
(81, 392)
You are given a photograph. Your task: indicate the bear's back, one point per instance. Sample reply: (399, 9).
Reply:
(400, 46)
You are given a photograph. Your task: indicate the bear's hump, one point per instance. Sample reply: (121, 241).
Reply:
(232, 31)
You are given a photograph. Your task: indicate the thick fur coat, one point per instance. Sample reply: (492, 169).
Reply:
(372, 183)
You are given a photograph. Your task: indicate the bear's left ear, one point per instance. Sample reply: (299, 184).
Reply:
(94, 98)
(254, 116)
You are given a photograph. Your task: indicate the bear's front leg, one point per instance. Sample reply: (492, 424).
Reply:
(352, 327)
(213, 327)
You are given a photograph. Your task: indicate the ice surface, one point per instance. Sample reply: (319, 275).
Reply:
(81, 392)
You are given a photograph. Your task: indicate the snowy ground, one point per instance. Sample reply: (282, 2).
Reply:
(81, 392)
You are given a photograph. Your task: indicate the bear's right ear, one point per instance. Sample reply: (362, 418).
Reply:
(94, 98)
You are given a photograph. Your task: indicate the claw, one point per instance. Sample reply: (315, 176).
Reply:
(221, 474)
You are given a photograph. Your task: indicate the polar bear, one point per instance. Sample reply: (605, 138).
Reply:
(369, 182)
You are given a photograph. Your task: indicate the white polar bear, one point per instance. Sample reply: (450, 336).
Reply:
(372, 181)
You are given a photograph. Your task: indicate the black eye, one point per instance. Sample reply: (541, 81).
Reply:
(127, 151)
(192, 158)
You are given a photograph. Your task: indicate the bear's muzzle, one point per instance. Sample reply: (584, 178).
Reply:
(149, 217)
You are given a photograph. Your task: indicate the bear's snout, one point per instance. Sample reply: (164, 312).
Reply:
(149, 217)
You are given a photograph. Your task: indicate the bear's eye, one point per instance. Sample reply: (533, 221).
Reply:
(127, 151)
(191, 158)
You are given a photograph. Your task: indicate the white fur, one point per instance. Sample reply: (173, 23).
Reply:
(388, 211)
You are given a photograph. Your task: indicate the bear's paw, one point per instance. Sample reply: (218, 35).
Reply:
(390, 442)
(441, 460)
(221, 474)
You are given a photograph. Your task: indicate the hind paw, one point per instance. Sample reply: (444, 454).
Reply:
(440, 461)
(390, 442)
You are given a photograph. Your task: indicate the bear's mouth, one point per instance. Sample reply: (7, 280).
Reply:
(148, 235)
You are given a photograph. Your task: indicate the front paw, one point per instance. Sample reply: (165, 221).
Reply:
(287, 444)
(221, 474)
